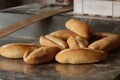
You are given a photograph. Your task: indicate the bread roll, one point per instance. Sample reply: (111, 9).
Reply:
(106, 42)
(15, 50)
(79, 28)
(63, 34)
(77, 42)
(100, 35)
(40, 55)
(50, 40)
(80, 56)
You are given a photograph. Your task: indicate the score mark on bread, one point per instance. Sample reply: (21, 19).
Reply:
(40, 55)
(63, 34)
(50, 40)
(77, 42)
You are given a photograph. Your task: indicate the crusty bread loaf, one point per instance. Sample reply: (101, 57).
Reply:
(50, 40)
(40, 55)
(15, 50)
(79, 28)
(63, 34)
(77, 42)
(80, 56)
(100, 35)
(106, 42)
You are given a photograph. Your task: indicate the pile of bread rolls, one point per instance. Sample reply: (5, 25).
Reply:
(78, 44)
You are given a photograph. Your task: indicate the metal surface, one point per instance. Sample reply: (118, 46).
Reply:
(35, 8)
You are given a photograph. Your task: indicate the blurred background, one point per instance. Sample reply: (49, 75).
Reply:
(12, 3)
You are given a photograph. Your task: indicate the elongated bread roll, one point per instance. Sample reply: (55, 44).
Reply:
(63, 34)
(106, 42)
(40, 55)
(100, 35)
(50, 40)
(15, 50)
(77, 42)
(79, 28)
(80, 56)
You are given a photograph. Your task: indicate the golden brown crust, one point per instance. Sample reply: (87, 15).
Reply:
(80, 56)
(77, 42)
(50, 40)
(15, 50)
(72, 43)
(40, 55)
(107, 42)
(63, 34)
(79, 28)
